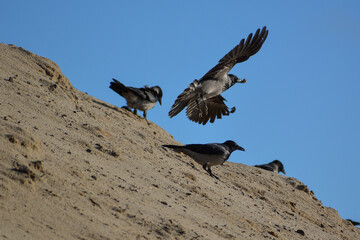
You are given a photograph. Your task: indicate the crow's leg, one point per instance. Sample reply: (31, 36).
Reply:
(232, 110)
(208, 169)
(145, 118)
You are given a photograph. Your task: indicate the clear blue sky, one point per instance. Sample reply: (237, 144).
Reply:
(300, 104)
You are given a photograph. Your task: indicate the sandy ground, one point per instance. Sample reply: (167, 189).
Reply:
(75, 167)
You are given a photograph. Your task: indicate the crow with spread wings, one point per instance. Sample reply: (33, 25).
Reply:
(202, 98)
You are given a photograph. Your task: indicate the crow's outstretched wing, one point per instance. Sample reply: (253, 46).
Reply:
(240, 53)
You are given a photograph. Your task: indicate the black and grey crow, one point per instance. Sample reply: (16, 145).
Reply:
(202, 98)
(142, 99)
(208, 155)
(354, 222)
(274, 166)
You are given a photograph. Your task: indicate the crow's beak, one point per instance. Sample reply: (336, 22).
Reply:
(241, 80)
(241, 148)
(160, 101)
(283, 171)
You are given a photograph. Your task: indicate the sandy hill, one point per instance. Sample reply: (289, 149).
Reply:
(75, 167)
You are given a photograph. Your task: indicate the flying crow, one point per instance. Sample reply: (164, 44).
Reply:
(202, 98)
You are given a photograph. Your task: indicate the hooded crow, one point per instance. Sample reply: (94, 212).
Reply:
(354, 222)
(202, 98)
(274, 166)
(208, 155)
(138, 98)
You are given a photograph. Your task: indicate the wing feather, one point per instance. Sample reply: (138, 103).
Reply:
(240, 53)
(183, 100)
(208, 149)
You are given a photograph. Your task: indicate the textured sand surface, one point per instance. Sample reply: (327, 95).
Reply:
(75, 167)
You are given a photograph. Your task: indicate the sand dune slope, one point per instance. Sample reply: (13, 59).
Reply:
(75, 167)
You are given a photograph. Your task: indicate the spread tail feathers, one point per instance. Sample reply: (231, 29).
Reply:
(210, 109)
(118, 87)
